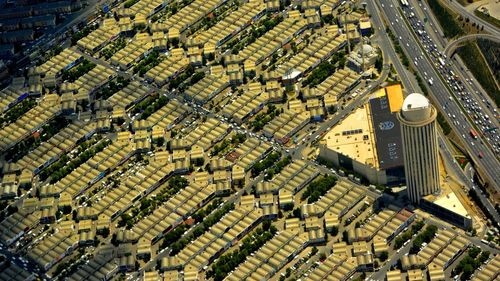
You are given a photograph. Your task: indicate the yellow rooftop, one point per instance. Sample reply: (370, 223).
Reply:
(450, 201)
(354, 137)
(395, 96)
(379, 93)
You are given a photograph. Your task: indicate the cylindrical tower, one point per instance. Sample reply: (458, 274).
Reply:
(420, 146)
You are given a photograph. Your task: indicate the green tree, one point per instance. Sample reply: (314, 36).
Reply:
(466, 272)
(383, 256)
(484, 256)
(474, 252)
(318, 188)
(314, 251)
(105, 232)
(159, 141)
(145, 203)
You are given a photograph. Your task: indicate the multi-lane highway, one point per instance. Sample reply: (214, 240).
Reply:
(472, 98)
(410, 87)
(472, 87)
(440, 92)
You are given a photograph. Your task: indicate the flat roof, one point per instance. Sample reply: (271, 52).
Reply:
(365, 24)
(354, 137)
(387, 133)
(379, 93)
(450, 202)
(395, 95)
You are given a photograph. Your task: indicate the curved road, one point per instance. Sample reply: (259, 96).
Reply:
(451, 46)
(474, 88)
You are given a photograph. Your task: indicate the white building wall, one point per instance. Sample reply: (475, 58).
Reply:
(420, 152)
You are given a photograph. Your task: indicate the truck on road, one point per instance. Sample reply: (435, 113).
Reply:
(473, 133)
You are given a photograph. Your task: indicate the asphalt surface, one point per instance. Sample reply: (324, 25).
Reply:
(440, 93)
(381, 273)
(296, 152)
(473, 87)
(410, 86)
(481, 96)
(388, 49)
(435, 31)
(451, 46)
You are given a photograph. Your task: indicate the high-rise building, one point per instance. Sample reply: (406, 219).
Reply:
(420, 148)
